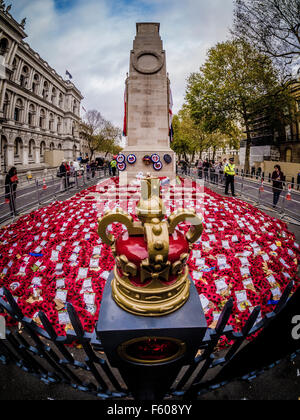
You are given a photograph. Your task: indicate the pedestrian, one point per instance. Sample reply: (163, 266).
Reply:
(11, 183)
(93, 168)
(113, 165)
(219, 172)
(229, 176)
(88, 169)
(62, 173)
(200, 168)
(277, 179)
(298, 181)
(206, 167)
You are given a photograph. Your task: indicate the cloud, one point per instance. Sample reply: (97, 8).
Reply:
(93, 39)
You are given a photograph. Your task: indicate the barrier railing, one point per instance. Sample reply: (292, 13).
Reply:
(43, 190)
(284, 199)
(39, 351)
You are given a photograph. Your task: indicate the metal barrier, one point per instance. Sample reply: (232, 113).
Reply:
(257, 189)
(42, 191)
(39, 351)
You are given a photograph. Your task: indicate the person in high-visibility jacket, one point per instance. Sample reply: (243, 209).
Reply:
(113, 165)
(229, 171)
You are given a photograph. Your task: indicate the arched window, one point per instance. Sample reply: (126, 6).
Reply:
(24, 76)
(31, 114)
(18, 148)
(52, 146)
(42, 151)
(58, 125)
(51, 122)
(288, 155)
(6, 106)
(4, 151)
(53, 95)
(31, 148)
(35, 83)
(45, 90)
(4, 46)
(73, 129)
(61, 100)
(18, 110)
(59, 147)
(42, 118)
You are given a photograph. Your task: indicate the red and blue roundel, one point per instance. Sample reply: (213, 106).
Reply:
(155, 158)
(157, 166)
(131, 159)
(120, 158)
(121, 166)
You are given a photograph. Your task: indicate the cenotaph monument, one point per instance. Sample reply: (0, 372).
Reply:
(147, 103)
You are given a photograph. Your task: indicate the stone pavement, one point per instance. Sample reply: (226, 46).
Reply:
(279, 383)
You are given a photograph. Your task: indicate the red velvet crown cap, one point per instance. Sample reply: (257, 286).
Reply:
(135, 249)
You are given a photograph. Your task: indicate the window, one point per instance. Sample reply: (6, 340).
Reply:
(42, 119)
(52, 146)
(18, 111)
(31, 113)
(42, 149)
(288, 155)
(31, 148)
(51, 122)
(53, 96)
(58, 125)
(18, 147)
(6, 106)
(3, 46)
(61, 100)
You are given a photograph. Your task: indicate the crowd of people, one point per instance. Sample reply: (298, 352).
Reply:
(221, 172)
(224, 172)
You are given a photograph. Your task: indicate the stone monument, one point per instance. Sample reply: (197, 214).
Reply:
(147, 108)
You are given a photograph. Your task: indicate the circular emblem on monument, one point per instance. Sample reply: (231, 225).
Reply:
(167, 159)
(131, 159)
(147, 62)
(120, 158)
(155, 158)
(122, 166)
(157, 166)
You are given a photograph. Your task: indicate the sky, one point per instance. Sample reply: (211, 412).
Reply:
(92, 39)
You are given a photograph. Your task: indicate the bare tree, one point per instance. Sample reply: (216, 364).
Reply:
(272, 26)
(101, 135)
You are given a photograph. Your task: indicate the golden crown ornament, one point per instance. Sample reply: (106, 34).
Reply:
(151, 272)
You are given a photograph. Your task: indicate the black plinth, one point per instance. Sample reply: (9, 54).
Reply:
(116, 326)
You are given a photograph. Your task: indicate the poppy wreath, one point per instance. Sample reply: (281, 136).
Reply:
(131, 159)
(54, 255)
(157, 166)
(147, 160)
(167, 159)
(155, 158)
(120, 158)
(121, 166)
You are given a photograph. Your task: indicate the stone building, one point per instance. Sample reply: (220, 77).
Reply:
(282, 144)
(39, 110)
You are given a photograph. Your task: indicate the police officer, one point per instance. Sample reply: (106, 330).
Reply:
(229, 175)
(113, 165)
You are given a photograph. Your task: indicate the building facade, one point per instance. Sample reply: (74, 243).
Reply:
(282, 144)
(39, 110)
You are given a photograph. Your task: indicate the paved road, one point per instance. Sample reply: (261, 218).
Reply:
(250, 189)
(42, 192)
